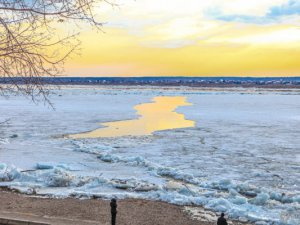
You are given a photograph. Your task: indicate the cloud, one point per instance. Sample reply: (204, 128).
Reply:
(179, 43)
(218, 14)
(290, 8)
(174, 24)
(284, 37)
(273, 15)
(192, 37)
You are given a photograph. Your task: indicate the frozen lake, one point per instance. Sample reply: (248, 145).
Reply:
(232, 150)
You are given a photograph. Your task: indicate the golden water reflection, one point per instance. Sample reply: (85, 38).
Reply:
(155, 116)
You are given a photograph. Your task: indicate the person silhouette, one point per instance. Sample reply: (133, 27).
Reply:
(222, 220)
(113, 210)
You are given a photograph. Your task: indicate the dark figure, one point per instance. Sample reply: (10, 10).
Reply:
(222, 220)
(113, 207)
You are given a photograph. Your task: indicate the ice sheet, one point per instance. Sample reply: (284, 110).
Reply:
(242, 157)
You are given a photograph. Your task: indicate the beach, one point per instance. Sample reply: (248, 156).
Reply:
(94, 211)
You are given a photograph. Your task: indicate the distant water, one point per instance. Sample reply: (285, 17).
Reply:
(155, 116)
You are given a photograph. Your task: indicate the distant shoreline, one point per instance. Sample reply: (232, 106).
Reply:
(208, 82)
(268, 86)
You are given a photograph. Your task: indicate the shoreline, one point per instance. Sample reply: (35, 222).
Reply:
(200, 86)
(187, 81)
(97, 211)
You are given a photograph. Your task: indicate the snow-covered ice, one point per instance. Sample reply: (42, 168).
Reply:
(242, 157)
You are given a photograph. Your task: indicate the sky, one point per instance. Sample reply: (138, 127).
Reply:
(192, 38)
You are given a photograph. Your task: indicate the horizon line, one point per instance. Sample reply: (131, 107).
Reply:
(183, 76)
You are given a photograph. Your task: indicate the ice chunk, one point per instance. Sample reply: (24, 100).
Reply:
(171, 172)
(233, 192)
(123, 183)
(4, 141)
(146, 187)
(53, 165)
(239, 200)
(133, 184)
(220, 205)
(8, 173)
(276, 196)
(109, 158)
(60, 178)
(225, 184)
(172, 185)
(2, 166)
(261, 223)
(296, 198)
(44, 166)
(260, 199)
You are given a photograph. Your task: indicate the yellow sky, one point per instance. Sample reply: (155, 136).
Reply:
(192, 38)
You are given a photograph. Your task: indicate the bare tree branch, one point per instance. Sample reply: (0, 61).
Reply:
(31, 46)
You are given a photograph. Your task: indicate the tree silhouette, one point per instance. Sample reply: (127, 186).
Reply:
(31, 44)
